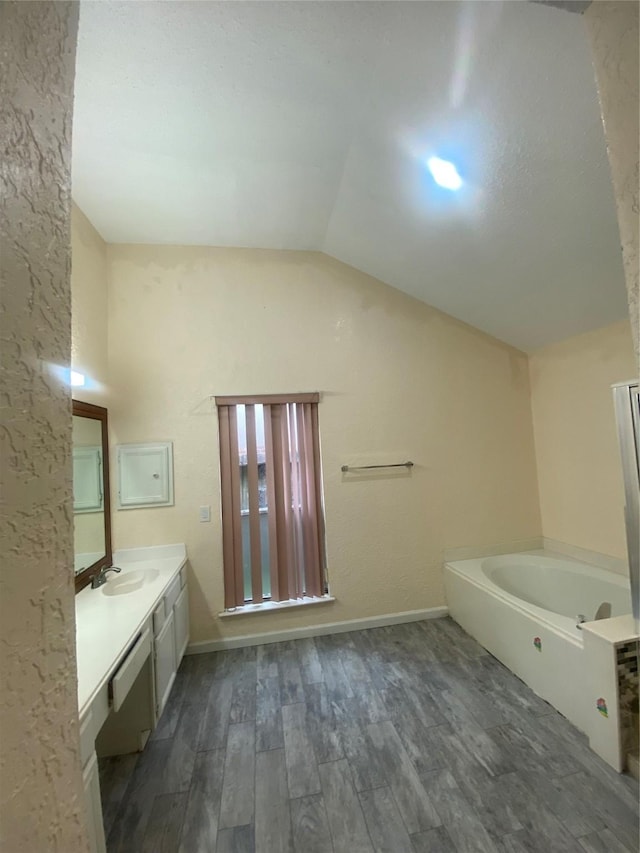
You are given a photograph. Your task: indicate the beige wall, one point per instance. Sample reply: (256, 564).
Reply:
(89, 309)
(612, 29)
(579, 473)
(40, 780)
(399, 380)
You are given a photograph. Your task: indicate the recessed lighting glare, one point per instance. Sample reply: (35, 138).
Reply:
(77, 379)
(444, 173)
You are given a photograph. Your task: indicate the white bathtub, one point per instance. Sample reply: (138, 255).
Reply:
(524, 609)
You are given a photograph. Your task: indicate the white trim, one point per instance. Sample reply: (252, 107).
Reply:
(316, 630)
(593, 558)
(453, 555)
(270, 606)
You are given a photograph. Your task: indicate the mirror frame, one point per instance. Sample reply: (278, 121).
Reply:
(98, 413)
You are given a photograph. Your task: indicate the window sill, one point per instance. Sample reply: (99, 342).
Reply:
(271, 606)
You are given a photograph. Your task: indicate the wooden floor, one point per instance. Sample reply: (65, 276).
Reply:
(404, 739)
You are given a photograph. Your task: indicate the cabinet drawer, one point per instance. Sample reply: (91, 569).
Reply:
(171, 595)
(159, 617)
(123, 680)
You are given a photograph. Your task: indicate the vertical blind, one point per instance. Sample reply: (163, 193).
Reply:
(280, 433)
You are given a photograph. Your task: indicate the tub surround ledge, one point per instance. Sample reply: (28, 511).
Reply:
(618, 629)
(602, 685)
(534, 543)
(583, 555)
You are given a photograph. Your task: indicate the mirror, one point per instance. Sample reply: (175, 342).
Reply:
(91, 503)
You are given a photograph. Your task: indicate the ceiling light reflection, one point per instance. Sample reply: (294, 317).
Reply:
(444, 173)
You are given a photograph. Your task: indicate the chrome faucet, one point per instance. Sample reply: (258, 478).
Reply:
(101, 578)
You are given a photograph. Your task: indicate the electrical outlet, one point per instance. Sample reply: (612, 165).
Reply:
(205, 513)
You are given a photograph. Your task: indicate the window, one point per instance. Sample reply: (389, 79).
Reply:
(272, 518)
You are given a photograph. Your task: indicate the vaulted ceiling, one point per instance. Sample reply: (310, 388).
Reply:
(307, 125)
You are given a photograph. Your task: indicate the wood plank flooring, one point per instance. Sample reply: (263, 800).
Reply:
(403, 739)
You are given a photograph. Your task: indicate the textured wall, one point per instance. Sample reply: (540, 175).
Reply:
(612, 27)
(579, 472)
(41, 797)
(400, 380)
(89, 309)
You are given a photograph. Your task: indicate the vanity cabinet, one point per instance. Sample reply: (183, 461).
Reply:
(165, 663)
(128, 648)
(90, 724)
(93, 806)
(131, 709)
(171, 628)
(181, 619)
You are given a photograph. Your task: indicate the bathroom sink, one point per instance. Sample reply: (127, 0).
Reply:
(129, 582)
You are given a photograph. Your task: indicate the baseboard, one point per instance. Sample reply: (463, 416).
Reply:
(316, 630)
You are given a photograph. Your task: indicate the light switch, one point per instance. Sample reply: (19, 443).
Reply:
(205, 513)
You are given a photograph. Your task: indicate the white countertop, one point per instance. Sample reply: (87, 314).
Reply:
(106, 625)
(618, 629)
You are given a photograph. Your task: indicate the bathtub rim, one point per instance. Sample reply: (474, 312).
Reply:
(573, 565)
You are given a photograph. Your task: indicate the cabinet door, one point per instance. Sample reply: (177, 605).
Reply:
(181, 617)
(93, 806)
(165, 663)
